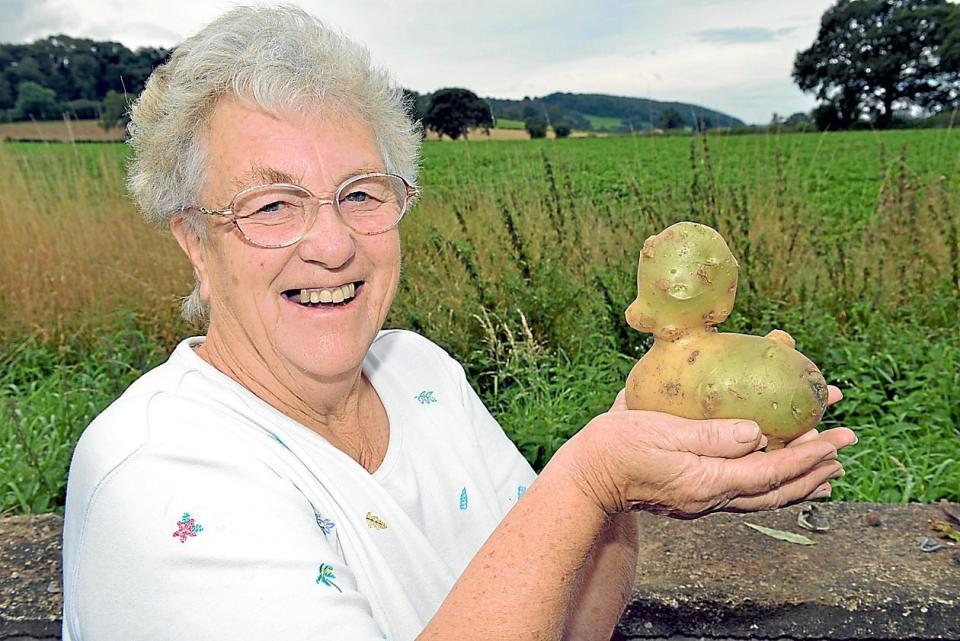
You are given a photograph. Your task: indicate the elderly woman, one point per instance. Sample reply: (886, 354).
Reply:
(298, 473)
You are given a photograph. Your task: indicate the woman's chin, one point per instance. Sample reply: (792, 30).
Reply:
(330, 354)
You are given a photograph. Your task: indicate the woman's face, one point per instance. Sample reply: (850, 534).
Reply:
(255, 293)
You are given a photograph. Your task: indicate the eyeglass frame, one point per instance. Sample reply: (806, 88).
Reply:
(228, 212)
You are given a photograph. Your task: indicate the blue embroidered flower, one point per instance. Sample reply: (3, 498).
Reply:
(463, 499)
(521, 489)
(326, 525)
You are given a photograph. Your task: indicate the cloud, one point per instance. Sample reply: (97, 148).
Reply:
(27, 20)
(742, 35)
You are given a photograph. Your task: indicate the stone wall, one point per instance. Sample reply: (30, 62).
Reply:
(865, 577)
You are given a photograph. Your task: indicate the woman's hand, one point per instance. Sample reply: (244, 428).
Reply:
(640, 460)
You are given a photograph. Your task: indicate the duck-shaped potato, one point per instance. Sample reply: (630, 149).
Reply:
(686, 284)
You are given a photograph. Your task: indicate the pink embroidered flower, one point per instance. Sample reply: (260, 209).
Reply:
(186, 527)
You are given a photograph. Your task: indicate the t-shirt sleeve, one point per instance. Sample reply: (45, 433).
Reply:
(206, 544)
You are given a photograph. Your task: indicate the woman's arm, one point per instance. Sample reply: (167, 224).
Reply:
(522, 584)
(605, 583)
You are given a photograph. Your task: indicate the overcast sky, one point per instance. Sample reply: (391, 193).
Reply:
(731, 55)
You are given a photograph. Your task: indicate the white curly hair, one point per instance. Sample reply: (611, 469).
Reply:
(281, 59)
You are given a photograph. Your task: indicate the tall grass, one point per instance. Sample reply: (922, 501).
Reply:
(74, 250)
(520, 259)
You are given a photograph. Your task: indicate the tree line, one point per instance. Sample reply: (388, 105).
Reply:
(874, 58)
(874, 63)
(77, 77)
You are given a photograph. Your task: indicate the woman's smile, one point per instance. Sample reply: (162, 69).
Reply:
(325, 299)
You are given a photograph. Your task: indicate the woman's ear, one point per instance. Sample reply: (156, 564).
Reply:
(193, 247)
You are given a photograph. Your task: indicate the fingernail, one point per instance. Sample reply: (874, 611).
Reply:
(840, 472)
(746, 431)
(763, 442)
(822, 492)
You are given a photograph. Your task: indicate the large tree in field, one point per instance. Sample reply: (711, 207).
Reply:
(452, 111)
(950, 49)
(874, 56)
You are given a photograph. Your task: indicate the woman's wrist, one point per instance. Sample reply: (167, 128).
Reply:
(588, 471)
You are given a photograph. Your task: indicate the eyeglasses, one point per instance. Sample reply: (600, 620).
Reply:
(279, 214)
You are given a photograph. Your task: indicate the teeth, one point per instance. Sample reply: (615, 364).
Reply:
(331, 295)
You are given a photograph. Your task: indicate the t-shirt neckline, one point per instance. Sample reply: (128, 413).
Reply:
(185, 350)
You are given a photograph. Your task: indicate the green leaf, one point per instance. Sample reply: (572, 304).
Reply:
(789, 537)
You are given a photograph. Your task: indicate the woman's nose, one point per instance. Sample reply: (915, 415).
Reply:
(328, 240)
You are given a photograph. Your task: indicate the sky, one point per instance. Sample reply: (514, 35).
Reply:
(734, 56)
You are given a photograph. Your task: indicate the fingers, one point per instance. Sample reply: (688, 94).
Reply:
(839, 437)
(833, 394)
(763, 473)
(814, 484)
(620, 403)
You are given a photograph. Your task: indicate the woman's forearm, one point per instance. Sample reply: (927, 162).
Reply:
(605, 582)
(521, 583)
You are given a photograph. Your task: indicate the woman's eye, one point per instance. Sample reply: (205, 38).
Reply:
(356, 196)
(272, 208)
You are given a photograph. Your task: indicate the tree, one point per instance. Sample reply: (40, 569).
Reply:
(36, 102)
(453, 110)
(76, 69)
(561, 131)
(536, 127)
(950, 48)
(115, 111)
(670, 118)
(417, 104)
(798, 118)
(872, 57)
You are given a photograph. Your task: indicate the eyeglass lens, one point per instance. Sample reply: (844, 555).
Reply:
(278, 215)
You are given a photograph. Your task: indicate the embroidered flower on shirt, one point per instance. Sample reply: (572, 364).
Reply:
(426, 397)
(326, 525)
(374, 521)
(463, 499)
(521, 489)
(327, 577)
(187, 527)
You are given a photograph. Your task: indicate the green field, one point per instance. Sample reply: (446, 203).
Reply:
(520, 258)
(603, 122)
(506, 123)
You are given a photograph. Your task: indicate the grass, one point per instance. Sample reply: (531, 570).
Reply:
(506, 123)
(603, 122)
(520, 259)
(60, 130)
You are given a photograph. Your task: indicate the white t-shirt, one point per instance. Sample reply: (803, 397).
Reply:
(197, 511)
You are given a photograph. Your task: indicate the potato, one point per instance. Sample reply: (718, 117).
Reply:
(686, 284)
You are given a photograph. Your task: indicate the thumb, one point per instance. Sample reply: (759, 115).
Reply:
(722, 438)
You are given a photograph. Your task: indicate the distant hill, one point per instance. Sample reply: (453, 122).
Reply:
(603, 112)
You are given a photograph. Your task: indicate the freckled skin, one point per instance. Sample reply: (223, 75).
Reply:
(686, 284)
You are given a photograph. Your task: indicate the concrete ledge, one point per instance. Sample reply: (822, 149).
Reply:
(31, 596)
(866, 577)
